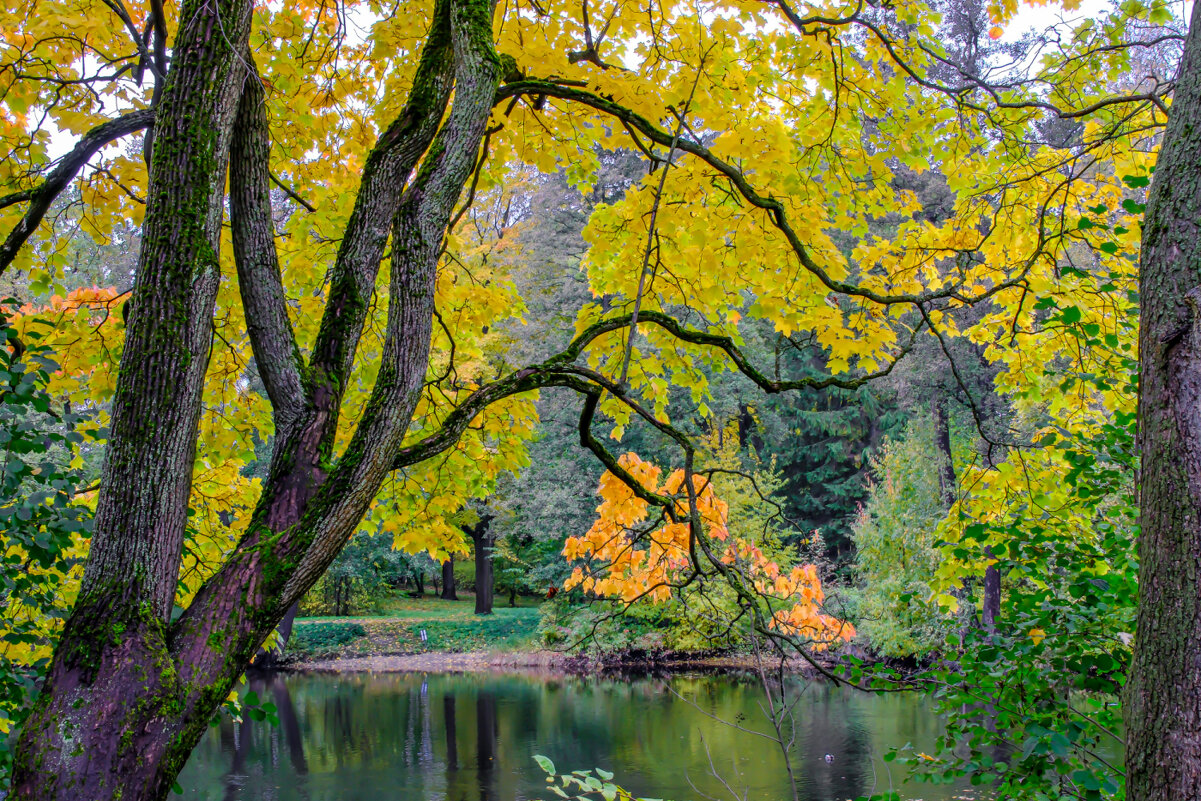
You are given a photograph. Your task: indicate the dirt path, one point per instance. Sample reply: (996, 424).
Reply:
(433, 662)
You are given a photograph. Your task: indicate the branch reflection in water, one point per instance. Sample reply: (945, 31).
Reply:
(441, 737)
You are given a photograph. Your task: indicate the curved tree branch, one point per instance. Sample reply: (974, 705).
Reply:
(41, 197)
(775, 209)
(560, 371)
(385, 174)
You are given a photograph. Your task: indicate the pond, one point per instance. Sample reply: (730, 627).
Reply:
(439, 737)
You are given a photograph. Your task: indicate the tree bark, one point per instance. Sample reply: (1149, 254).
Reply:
(991, 611)
(112, 673)
(448, 580)
(1163, 692)
(942, 442)
(268, 658)
(484, 583)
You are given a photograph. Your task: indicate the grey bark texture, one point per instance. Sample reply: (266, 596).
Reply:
(111, 674)
(1163, 693)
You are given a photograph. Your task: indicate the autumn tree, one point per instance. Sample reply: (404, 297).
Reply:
(366, 308)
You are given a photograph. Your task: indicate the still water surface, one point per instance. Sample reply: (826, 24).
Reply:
(437, 737)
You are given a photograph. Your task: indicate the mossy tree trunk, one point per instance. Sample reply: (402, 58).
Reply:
(130, 690)
(1163, 693)
(110, 719)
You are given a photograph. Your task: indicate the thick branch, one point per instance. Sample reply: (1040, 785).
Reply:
(43, 195)
(309, 510)
(259, 281)
(560, 371)
(386, 171)
(417, 245)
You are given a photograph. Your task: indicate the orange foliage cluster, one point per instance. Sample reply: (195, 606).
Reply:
(641, 564)
(83, 330)
(634, 571)
(92, 298)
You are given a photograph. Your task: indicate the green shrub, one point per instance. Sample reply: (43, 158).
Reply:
(896, 553)
(324, 637)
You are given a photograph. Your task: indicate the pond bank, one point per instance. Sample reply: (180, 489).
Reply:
(538, 661)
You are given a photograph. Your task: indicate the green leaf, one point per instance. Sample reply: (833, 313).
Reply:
(545, 764)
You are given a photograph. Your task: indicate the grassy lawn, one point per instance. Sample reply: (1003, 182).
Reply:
(449, 626)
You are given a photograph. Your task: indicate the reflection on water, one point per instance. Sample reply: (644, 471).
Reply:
(411, 737)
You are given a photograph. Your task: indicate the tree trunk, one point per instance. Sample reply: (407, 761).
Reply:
(448, 580)
(419, 580)
(942, 441)
(1163, 692)
(107, 722)
(483, 565)
(129, 691)
(268, 658)
(992, 595)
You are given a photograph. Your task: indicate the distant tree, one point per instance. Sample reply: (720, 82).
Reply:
(896, 553)
(482, 540)
(448, 579)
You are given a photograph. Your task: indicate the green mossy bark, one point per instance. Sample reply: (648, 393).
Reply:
(1163, 693)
